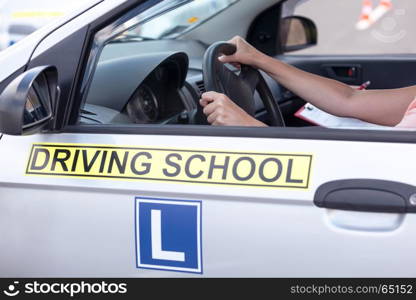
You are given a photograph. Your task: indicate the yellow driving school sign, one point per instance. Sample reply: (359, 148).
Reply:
(272, 170)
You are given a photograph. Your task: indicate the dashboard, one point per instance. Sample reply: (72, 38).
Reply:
(138, 89)
(144, 105)
(158, 98)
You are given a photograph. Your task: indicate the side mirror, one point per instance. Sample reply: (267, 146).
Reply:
(26, 104)
(298, 33)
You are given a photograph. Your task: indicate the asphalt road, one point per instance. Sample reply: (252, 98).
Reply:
(336, 20)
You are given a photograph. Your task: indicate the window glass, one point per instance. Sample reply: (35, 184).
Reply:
(131, 59)
(361, 26)
(178, 21)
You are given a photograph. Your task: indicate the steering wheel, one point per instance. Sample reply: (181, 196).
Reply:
(238, 87)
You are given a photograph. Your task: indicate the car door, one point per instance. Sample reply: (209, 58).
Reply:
(58, 223)
(174, 201)
(382, 53)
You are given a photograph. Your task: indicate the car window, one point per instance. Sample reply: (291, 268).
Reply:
(144, 51)
(140, 71)
(178, 21)
(360, 27)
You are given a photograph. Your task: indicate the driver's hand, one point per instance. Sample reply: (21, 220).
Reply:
(221, 111)
(245, 54)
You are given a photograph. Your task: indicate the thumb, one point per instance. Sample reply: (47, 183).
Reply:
(227, 59)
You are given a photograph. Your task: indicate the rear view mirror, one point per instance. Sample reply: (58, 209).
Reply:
(298, 33)
(26, 105)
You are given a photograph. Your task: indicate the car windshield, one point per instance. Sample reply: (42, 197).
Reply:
(183, 18)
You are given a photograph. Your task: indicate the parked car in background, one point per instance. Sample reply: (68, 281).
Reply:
(18, 19)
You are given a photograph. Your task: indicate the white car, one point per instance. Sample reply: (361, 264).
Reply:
(108, 168)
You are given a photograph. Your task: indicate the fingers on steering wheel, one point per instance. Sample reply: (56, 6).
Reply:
(215, 118)
(211, 118)
(204, 102)
(210, 96)
(209, 109)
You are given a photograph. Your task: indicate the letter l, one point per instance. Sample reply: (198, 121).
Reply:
(157, 252)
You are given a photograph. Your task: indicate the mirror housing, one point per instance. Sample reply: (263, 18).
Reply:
(26, 104)
(297, 33)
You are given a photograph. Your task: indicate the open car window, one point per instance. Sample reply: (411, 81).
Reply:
(138, 65)
(142, 70)
(364, 27)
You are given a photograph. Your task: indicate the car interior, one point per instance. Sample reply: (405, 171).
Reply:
(142, 76)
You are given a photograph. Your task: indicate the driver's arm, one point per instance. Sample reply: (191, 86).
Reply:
(385, 107)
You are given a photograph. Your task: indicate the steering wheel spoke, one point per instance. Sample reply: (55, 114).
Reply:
(250, 76)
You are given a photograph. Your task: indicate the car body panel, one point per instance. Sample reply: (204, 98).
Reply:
(247, 231)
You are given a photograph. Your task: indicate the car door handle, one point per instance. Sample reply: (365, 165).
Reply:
(367, 195)
(346, 73)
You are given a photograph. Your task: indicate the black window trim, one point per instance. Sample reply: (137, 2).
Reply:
(300, 133)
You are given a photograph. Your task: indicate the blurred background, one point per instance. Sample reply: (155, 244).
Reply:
(344, 29)
(19, 18)
(338, 22)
